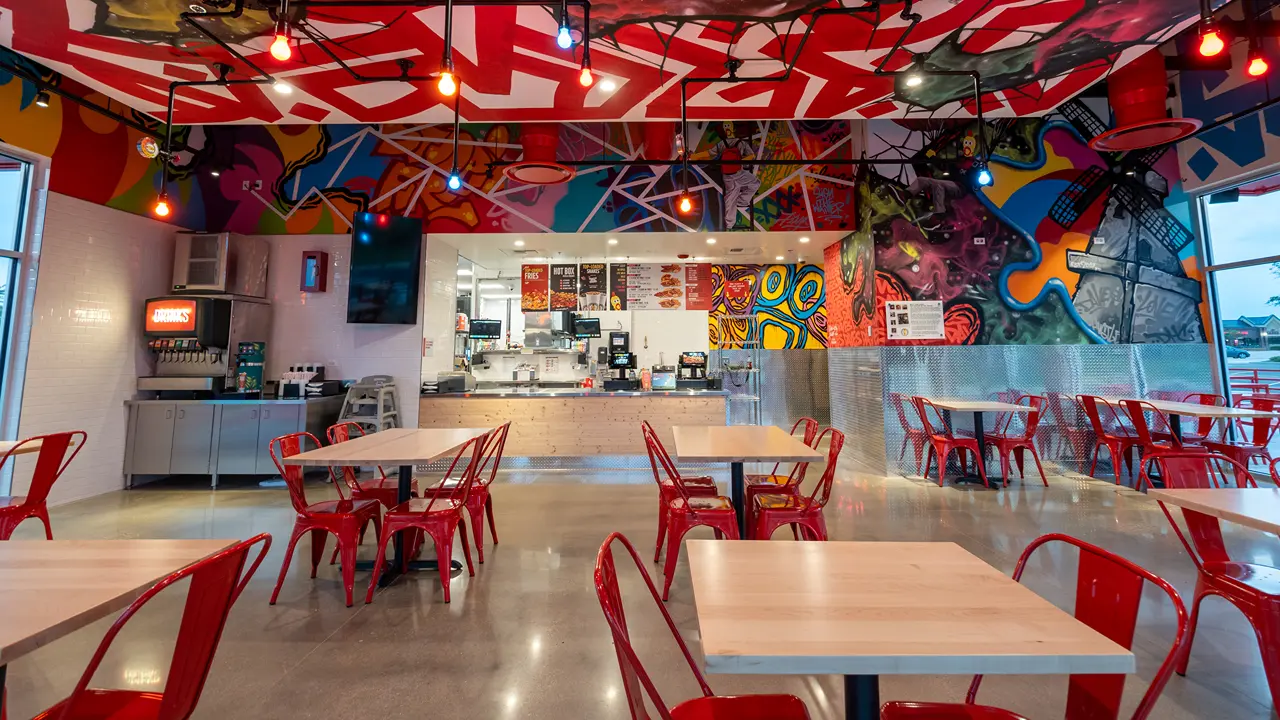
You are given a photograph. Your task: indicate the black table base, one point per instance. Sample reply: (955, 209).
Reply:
(392, 570)
(737, 492)
(862, 697)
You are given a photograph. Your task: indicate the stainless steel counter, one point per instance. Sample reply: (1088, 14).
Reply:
(274, 401)
(573, 392)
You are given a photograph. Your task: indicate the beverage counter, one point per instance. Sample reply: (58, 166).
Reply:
(574, 423)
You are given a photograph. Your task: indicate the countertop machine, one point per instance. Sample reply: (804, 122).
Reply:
(194, 338)
(692, 374)
(620, 364)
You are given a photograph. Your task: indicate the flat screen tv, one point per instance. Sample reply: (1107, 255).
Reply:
(386, 266)
(586, 327)
(486, 330)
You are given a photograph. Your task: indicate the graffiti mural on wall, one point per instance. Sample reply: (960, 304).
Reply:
(786, 305)
(1064, 247)
(1033, 54)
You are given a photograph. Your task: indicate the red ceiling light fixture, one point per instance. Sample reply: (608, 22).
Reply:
(161, 209)
(447, 84)
(1257, 65)
(585, 78)
(280, 48)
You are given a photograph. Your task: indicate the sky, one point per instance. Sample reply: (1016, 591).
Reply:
(1245, 230)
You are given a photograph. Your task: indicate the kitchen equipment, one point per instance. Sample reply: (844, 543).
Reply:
(250, 360)
(663, 378)
(525, 372)
(619, 342)
(220, 263)
(692, 374)
(620, 363)
(538, 330)
(191, 338)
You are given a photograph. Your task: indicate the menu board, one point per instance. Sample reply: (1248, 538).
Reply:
(617, 286)
(915, 320)
(564, 287)
(654, 286)
(697, 286)
(534, 288)
(593, 287)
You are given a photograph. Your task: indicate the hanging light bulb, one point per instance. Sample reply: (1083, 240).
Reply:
(1258, 65)
(455, 180)
(564, 38)
(686, 204)
(1211, 42)
(982, 175)
(161, 208)
(447, 85)
(585, 78)
(280, 48)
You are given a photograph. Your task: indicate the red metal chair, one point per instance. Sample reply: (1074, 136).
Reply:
(51, 461)
(687, 511)
(1108, 593)
(1207, 429)
(699, 485)
(1066, 423)
(1254, 589)
(381, 488)
(1110, 432)
(1257, 432)
(943, 441)
(344, 517)
(438, 514)
(635, 680)
(1155, 435)
(479, 501)
(774, 511)
(910, 434)
(775, 484)
(216, 584)
(1006, 442)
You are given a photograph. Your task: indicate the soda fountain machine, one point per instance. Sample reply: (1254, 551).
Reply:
(194, 340)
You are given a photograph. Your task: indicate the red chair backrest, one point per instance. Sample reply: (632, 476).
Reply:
(1196, 470)
(1108, 594)
(635, 680)
(216, 583)
(658, 456)
(1204, 426)
(51, 461)
(341, 433)
(822, 491)
(1139, 411)
(492, 456)
(1258, 430)
(810, 433)
(462, 489)
(1030, 420)
(923, 407)
(896, 399)
(1102, 416)
(287, 446)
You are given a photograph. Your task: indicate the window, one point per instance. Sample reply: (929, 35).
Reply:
(21, 177)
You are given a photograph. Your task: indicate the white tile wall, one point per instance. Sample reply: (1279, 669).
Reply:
(312, 327)
(97, 266)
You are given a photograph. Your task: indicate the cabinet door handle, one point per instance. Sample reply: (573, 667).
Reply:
(168, 414)
(266, 414)
(182, 414)
(253, 414)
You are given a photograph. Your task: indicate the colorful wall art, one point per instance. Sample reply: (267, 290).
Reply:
(783, 307)
(1063, 248)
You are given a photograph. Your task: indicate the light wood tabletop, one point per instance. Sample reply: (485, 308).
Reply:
(50, 588)
(7, 445)
(880, 608)
(955, 405)
(1195, 409)
(395, 446)
(739, 443)
(1258, 508)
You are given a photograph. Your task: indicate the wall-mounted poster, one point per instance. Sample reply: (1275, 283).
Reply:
(593, 287)
(698, 287)
(654, 286)
(564, 287)
(535, 288)
(617, 286)
(915, 320)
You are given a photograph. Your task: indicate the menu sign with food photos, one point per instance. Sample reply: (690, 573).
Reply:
(697, 286)
(593, 287)
(564, 287)
(654, 286)
(618, 286)
(534, 288)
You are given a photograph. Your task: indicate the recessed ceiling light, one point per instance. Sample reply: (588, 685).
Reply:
(699, 259)
(613, 241)
(608, 85)
(804, 239)
(779, 258)
(214, 173)
(519, 243)
(914, 80)
(711, 241)
(282, 87)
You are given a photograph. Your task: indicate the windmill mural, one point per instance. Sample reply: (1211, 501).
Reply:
(1133, 286)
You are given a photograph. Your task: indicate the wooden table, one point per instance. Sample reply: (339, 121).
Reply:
(32, 447)
(1175, 411)
(1258, 508)
(865, 609)
(397, 446)
(738, 444)
(977, 407)
(51, 588)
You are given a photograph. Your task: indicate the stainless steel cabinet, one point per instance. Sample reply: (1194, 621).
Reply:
(276, 420)
(238, 440)
(152, 446)
(192, 440)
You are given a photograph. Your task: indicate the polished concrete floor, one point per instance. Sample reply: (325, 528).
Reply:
(525, 638)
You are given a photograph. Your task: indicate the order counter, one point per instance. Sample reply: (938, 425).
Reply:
(574, 423)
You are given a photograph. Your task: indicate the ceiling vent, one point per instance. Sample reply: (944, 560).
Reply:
(538, 166)
(1137, 93)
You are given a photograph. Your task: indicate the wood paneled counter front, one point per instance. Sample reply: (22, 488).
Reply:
(574, 423)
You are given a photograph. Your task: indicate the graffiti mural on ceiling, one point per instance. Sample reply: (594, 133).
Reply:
(1064, 247)
(1032, 54)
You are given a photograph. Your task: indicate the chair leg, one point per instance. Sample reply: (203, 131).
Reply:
(42, 512)
(488, 511)
(1266, 624)
(318, 540)
(928, 461)
(663, 510)
(675, 534)
(918, 444)
(298, 532)
(1019, 458)
(1097, 450)
(444, 558)
(795, 531)
(1036, 456)
(1004, 465)
(466, 545)
(384, 539)
(348, 549)
(982, 470)
(477, 529)
(1185, 656)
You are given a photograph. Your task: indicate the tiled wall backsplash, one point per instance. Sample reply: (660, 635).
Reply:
(97, 266)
